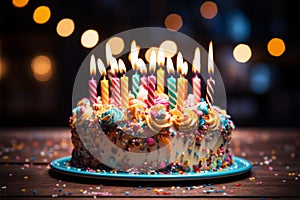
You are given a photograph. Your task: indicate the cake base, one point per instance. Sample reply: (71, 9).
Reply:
(62, 165)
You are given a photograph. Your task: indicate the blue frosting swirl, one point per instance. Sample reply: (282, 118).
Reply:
(110, 117)
(225, 122)
(202, 106)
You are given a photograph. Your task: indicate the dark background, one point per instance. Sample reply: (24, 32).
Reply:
(26, 102)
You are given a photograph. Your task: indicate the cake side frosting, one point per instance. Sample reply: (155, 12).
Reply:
(141, 139)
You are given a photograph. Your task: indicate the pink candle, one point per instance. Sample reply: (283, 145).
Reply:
(196, 79)
(151, 79)
(92, 82)
(115, 83)
(144, 82)
(197, 88)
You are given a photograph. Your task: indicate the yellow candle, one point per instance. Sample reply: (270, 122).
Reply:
(160, 72)
(124, 84)
(103, 83)
(104, 91)
(180, 92)
(182, 82)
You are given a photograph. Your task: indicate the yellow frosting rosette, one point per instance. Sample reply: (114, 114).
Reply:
(185, 121)
(158, 119)
(212, 119)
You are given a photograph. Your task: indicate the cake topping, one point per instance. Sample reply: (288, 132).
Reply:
(158, 119)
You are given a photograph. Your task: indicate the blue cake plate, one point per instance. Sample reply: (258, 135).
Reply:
(240, 166)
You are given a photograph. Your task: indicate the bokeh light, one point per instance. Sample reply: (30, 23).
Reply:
(238, 26)
(209, 9)
(242, 53)
(148, 53)
(89, 38)
(42, 14)
(2, 68)
(41, 67)
(169, 47)
(116, 45)
(20, 3)
(173, 22)
(260, 78)
(276, 47)
(65, 27)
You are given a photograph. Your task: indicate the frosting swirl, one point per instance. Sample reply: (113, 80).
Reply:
(212, 119)
(162, 99)
(109, 118)
(202, 106)
(185, 121)
(158, 118)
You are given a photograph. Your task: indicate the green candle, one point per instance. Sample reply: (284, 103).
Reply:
(135, 84)
(171, 84)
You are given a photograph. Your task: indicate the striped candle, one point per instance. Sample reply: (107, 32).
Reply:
(115, 83)
(143, 69)
(133, 57)
(124, 84)
(151, 79)
(180, 92)
(184, 73)
(196, 79)
(180, 82)
(160, 71)
(171, 84)
(103, 83)
(92, 82)
(135, 84)
(210, 82)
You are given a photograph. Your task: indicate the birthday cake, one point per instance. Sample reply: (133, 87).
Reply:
(150, 128)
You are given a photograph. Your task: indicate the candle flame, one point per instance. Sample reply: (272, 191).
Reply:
(134, 54)
(210, 61)
(122, 66)
(142, 66)
(196, 61)
(93, 65)
(184, 70)
(179, 62)
(152, 64)
(170, 66)
(161, 57)
(114, 65)
(101, 67)
(108, 54)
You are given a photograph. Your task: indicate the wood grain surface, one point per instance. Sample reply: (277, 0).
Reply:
(25, 155)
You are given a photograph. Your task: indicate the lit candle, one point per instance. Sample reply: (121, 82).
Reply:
(115, 82)
(196, 79)
(171, 84)
(160, 71)
(143, 69)
(92, 82)
(133, 57)
(181, 87)
(184, 72)
(124, 84)
(108, 54)
(151, 79)
(103, 83)
(108, 58)
(210, 82)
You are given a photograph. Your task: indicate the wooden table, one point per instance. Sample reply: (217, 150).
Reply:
(25, 155)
